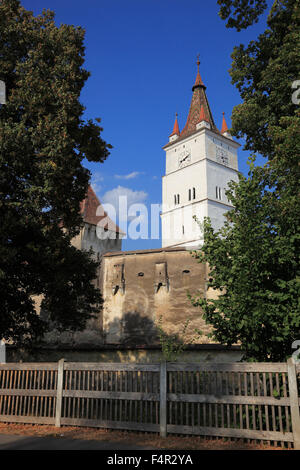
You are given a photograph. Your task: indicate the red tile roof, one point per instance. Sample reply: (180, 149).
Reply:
(198, 80)
(199, 101)
(88, 210)
(203, 115)
(224, 125)
(176, 130)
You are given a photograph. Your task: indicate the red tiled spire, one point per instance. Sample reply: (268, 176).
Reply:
(198, 81)
(176, 130)
(224, 125)
(203, 115)
(199, 101)
(88, 209)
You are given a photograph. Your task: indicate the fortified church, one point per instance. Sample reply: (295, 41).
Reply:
(142, 287)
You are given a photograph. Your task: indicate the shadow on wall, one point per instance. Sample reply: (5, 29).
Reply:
(133, 329)
(136, 330)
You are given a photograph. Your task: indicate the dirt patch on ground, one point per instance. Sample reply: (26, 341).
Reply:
(133, 438)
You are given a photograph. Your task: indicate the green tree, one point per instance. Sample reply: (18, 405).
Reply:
(43, 141)
(241, 13)
(254, 259)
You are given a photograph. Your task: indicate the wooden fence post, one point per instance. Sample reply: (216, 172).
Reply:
(60, 376)
(294, 401)
(163, 399)
(2, 352)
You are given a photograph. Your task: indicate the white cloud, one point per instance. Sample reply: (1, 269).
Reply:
(121, 199)
(133, 197)
(130, 176)
(96, 181)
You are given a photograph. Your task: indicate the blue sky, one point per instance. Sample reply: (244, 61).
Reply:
(142, 59)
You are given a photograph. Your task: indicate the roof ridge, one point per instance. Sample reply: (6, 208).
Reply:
(88, 210)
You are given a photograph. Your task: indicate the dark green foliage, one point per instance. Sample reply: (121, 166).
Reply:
(263, 73)
(254, 263)
(254, 259)
(241, 13)
(43, 141)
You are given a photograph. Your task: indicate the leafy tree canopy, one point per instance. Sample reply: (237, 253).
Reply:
(264, 73)
(241, 13)
(254, 259)
(43, 141)
(254, 264)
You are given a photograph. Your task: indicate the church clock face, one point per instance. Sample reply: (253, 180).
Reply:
(184, 158)
(222, 156)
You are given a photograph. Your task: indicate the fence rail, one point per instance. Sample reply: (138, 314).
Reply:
(253, 401)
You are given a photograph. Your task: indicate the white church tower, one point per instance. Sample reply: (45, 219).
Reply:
(200, 161)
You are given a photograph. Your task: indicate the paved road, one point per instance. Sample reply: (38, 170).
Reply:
(12, 442)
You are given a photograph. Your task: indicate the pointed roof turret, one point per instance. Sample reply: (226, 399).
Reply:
(176, 130)
(198, 81)
(199, 101)
(224, 125)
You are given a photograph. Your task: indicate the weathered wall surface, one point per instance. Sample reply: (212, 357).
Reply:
(204, 353)
(138, 288)
(141, 287)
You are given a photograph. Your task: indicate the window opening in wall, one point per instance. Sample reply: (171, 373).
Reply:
(159, 285)
(161, 277)
(194, 193)
(176, 199)
(218, 193)
(190, 194)
(118, 279)
(183, 230)
(116, 290)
